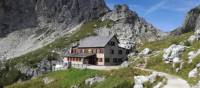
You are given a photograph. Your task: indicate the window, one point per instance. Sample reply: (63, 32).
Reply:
(85, 51)
(81, 51)
(77, 59)
(112, 43)
(101, 50)
(100, 59)
(120, 52)
(127, 51)
(115, 60)
(89, 50)
(94, 51)
(98, 50)
(119, 59)
(111, 51)
(74, 50)
(107, 60)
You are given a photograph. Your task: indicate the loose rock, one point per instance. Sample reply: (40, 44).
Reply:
(192, 55)
(93, 80)
(146, 51)
(47, 80)
(193, 73)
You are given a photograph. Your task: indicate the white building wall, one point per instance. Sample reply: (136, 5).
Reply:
(73, 62)
(116, 48)
(100, 55)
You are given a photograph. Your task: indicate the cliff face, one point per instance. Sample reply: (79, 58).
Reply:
(130, 28)
(26, 25)
(21, 14)
(190, 23)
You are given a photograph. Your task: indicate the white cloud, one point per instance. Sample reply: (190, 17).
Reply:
(180, 5)
(156, 7)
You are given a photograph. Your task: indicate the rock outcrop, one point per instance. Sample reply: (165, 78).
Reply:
(129, 27)
(144, 52)
(21, 14)
(43, 66)
(173, 53)
(194, 72)
(192, 55)
(93, 80)
(140, 80)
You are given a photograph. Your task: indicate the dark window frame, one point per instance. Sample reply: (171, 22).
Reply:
(112, 51)
(107, 59)
(120, 52)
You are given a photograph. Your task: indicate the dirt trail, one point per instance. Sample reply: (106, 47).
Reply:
(172, 81)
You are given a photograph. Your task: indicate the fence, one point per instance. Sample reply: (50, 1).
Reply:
(65, 67)
(79, 66)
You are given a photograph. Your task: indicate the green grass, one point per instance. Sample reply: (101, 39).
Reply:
(156, 63)
(122, 78)
(161, 44)
(62, 79)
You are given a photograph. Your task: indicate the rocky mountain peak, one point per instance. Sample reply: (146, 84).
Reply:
(120, 12)
(121, 8)
(129, 27)
(190, 23)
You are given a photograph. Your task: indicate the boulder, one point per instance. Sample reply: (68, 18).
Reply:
(140, 80)
(177, 70)
(176, 60)
(173, 52)
(125, 64)
(197, 33)
(193, 73)
(47, 80)
(146, 51)
(152, 77)
(198, 65)
(93, 80)
(193, 54)
(138, 86)
(192, 38)
(74, 86)
(132, 54)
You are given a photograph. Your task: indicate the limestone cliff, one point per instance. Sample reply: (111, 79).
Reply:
(129, 27)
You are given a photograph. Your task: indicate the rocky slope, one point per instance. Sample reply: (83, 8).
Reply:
(129, 27)
(26, 25)
(191, 22)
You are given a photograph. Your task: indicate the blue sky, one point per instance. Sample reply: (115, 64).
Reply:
(163, 14)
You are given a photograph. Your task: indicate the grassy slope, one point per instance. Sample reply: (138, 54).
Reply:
(122, 78)
(31, 59)
(155, 62)
(165, 43)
